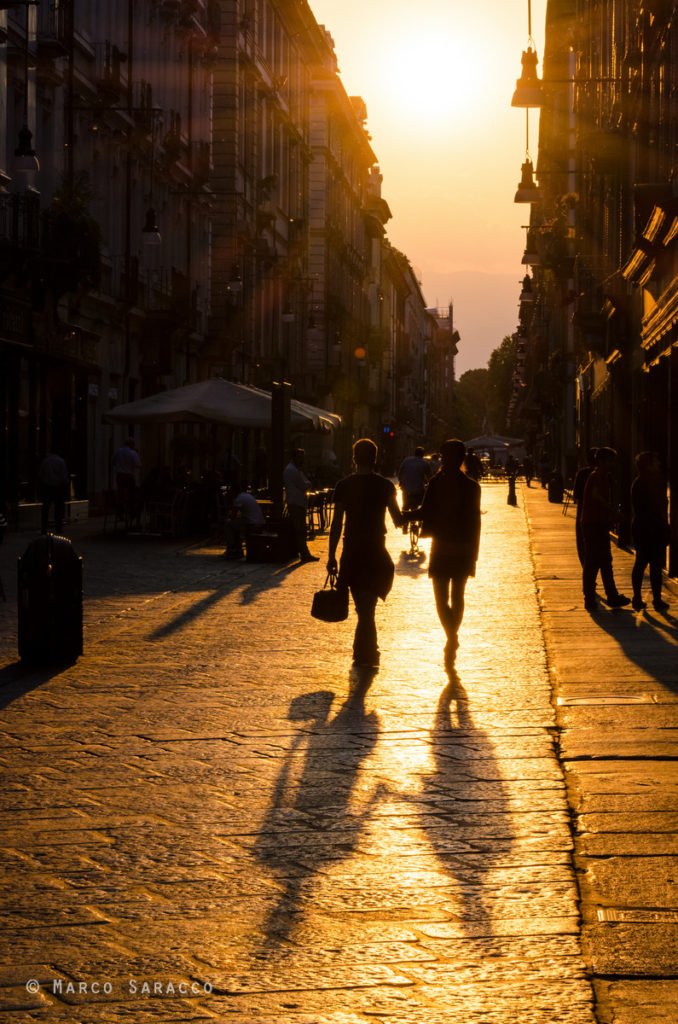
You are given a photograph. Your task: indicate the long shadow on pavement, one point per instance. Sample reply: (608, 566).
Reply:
(649, 643)
(468, 798)
(18, 679)
(144, 566)
(251, 587)
(310, 822)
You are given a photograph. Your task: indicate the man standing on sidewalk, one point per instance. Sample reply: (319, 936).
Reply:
(53, 482)
(578, 498)
(597, 519)
(297, 486)
(126, 466)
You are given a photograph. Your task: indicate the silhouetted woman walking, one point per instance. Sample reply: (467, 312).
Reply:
(649, 528)
(450, 514)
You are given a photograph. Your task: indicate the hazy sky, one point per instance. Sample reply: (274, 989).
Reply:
(437, 77)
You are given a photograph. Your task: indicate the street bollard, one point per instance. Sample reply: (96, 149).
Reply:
(49, 602)
(556, 488)
(512, 499)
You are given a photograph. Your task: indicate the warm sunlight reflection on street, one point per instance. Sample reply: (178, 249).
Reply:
(218, 797)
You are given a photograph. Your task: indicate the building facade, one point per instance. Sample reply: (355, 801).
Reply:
(187, 190)
(600, 341)
(440, 375)
(105, 227)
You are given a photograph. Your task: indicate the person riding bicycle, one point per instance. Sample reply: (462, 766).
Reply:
(413, 476)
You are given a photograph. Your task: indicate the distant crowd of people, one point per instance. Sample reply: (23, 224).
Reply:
(439, 491)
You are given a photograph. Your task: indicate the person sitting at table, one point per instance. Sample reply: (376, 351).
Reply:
(245, 518)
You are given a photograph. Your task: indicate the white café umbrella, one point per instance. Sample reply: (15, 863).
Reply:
(219, 401)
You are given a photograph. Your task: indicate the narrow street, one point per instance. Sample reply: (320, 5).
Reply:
(207, 815)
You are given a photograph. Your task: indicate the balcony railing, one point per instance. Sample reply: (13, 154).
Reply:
(20, 221)
(165, 293)
(155, 291)
(52, 30)
(109, 68)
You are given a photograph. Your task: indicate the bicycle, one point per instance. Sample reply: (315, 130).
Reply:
(415, 528)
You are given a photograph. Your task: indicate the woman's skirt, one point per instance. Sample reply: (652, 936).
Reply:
(450, 558)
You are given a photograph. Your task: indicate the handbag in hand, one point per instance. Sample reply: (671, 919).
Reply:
(331, 603)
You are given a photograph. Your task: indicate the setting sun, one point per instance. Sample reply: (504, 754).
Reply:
(440, 70)
(437, 78)
(432, 73)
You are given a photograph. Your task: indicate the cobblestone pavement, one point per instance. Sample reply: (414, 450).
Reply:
(615, 688)
(208, 817)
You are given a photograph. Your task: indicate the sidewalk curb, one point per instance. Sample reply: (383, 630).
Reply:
(614, 686)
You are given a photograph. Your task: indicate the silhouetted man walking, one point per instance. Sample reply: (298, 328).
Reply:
(597, 518)
(366, 568)
(578, 498)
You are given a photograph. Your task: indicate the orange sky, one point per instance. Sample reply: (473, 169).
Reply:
(437, 77)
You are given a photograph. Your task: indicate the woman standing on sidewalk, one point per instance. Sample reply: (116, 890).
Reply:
(649, 529)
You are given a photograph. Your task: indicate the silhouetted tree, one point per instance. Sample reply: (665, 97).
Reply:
(470, 403)
(500, 370)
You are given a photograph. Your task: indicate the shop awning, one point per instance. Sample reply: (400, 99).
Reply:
(219, 401)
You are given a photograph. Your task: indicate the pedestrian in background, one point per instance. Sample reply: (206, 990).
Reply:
(473, 465)
(597, 521)
(649, 529)
(413, 476)
(578, 498)
(126, 466)
(450, 514)
(511, 468)
(297, 486)
(53, 484)
(361, 501)
(246, 518)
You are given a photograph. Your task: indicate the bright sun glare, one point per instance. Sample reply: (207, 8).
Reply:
(433, 74)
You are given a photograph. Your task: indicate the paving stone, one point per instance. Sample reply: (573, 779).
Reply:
(637, 1002)
(630, 881)
(635, 844)
(636, 949)
(615, 679)
(209, 787)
